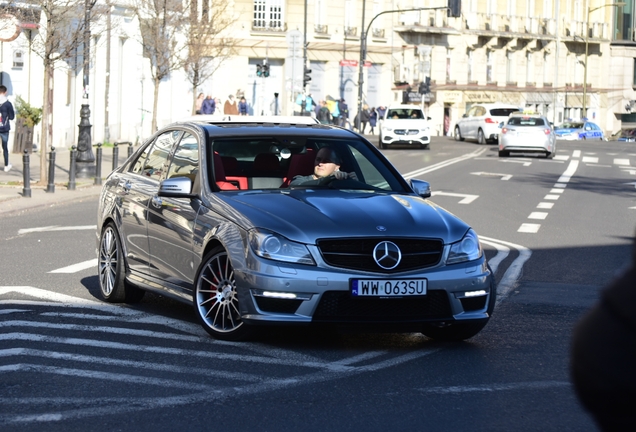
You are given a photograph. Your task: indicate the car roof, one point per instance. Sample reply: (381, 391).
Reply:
(231, 118)
(405, 106)
(251, 128)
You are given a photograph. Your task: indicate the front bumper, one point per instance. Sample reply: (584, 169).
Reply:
(392, 138)
(279, 293)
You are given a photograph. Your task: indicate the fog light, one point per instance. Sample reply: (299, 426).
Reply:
(281, 295)
(475, 293)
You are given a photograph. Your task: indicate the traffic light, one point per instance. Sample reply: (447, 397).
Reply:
(259, 70)
(454, 8)
(425, 86)
(306, 77)
(266, 70)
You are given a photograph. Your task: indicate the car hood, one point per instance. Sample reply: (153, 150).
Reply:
(309, 214)
(405, 123)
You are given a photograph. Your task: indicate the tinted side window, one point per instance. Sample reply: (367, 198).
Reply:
(138, 166)
(502, 112)
(185, 162)
(156, 162)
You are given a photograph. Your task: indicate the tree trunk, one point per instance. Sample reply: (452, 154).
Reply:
(155, 104)
(47, 114)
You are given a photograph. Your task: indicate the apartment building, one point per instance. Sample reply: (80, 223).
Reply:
(531, 53)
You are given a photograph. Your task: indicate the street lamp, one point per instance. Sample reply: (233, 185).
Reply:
(85, 158)
(363, 47)
(587, 37)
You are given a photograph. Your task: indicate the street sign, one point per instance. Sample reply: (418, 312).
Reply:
(352, 63)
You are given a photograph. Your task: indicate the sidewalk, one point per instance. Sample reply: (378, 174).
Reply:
(13, 200)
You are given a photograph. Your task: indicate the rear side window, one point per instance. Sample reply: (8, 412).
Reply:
(502, 112)
(526, 121)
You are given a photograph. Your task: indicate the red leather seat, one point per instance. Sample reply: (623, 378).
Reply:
(232, 172)
(300, 164)
(219, 174)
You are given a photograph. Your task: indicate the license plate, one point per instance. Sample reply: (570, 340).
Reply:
(388, 287)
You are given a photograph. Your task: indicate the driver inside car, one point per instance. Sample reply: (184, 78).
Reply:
(326, 168)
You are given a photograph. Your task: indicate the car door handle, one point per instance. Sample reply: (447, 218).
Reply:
(156, 201)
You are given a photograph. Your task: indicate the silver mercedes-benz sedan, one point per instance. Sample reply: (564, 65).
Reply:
(258, 224)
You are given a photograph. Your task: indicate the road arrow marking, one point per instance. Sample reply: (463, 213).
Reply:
(525, 163)
(503, 176)
(77, 267)
(466, 198)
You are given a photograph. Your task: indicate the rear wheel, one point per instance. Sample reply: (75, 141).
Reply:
(381, 144)
(215, 299)
(458, 134)
(481, 138)
(112, 270)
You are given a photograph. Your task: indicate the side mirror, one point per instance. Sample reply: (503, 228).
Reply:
(465, 115)
(428, 118)
(500, 125)
(421, 187)
(176, 187)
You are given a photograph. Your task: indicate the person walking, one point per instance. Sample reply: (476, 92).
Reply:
(230, 106)
(208, 106)
(323, 115)
(242, 106)
(364, 118)
(6, 114)
(198, 103)
(343, 108)
(373, 119)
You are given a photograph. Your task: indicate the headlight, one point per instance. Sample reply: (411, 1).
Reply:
(272, 246)
(468, 249)
(425, 129)
(388, 129)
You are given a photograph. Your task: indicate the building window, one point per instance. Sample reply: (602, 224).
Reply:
(634, 74)
(529, 68)
(350, 14)
(319, 16)
(509, 64)
(489, 67)
(18, 59)
(624, 22)
(470, 66)
(449, 57)
(268, 15)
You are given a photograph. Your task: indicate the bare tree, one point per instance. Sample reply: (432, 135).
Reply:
(160, 24)
(57, 41)
(207, 42)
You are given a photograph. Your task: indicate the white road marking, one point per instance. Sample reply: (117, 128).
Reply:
(562, 157)
(545, 205)
(629, 171)
(466, 198)
(588, 159)
(525, 163)
(510, 279)
(621, 161)
(487, 174)
(569, 172)
(443, 164)
(576, 154)
(502, 253)
(538, 215)
(551, 197)
(556, 191)
(536, 385)
(560, 185)
(77, 267)
(631, 183)
(529, 228)
(56, 228)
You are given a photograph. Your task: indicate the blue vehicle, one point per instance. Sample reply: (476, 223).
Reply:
(628, 135)
(579, 130)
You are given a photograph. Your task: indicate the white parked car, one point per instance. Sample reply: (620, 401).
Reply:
(405, 125)
(481, 122)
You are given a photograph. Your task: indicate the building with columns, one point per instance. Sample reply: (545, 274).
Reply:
(531, 53)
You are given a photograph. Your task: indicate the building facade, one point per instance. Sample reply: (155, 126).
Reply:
(531, 53)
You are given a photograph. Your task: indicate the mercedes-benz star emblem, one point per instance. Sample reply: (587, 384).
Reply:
(387, 255)
(380, 228)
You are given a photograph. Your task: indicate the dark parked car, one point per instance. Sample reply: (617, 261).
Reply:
(205, 213)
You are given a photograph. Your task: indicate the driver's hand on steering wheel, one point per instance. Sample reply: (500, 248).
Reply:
(341, 175)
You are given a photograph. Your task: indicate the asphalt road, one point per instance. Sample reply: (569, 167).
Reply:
(555, 231)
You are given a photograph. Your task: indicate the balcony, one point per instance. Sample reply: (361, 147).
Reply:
(377, 33)
(351, 31)
(274, 26)
(322, 29)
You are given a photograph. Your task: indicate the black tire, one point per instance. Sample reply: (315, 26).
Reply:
(459, 331)
(503, 153)
(481, 138)
(215, 298)
(426, 146)
(381, 144)
(458, 134)
(111, 267)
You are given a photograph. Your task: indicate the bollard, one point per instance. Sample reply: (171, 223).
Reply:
(130, 149)
(26, 174)
(51, 186)
(98, 165)
(115, 156)
(72, 169)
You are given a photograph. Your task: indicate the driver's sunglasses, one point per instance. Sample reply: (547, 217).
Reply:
(323, 160)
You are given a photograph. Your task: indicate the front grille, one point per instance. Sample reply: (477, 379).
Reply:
(357, 254)
(407, 131)
(273, 305)
(339, 306)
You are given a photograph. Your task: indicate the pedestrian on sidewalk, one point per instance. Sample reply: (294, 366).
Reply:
(373, 120)
(6, 114)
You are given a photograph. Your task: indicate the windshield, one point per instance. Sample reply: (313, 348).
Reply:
(502, 112)
(404, 113)
(571, 125)
(273, 163)
(526, 121)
